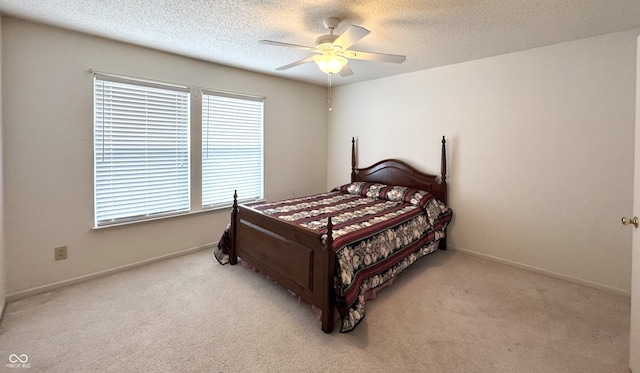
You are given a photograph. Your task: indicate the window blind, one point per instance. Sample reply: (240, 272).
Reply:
(232, 149)
(141, 150)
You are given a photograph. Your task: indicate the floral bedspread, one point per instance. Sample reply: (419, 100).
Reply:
(378, 231)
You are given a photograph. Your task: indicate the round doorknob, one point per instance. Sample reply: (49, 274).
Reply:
(627, 221)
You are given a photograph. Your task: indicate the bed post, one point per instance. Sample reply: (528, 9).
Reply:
(442, 245)
(443, 165)
(353, 159)
(327, 301)
(233, 258)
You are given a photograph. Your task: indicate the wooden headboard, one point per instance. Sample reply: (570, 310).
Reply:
(397, 172)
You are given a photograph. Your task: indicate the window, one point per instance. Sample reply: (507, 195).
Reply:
(141, 143)
(231, 149)
(145, 141)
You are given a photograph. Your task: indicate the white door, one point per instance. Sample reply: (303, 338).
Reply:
(634, 345)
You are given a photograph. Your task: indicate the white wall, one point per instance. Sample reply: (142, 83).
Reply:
(3, 286)
(540, 150)
(48, 129)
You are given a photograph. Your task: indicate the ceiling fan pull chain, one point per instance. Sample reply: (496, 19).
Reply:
(329, 92)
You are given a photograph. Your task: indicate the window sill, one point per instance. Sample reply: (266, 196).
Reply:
(132, 222)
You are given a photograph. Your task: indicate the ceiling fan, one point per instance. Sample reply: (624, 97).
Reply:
(332, 51)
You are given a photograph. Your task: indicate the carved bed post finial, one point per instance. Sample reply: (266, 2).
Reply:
(235, 200)
(329, 233)
(233, 258)
(443, 166)
(353, 159)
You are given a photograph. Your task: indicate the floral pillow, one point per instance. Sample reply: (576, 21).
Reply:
(388, 192)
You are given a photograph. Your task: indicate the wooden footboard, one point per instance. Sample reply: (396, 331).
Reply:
(291, 255)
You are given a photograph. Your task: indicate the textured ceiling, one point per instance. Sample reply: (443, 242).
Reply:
(429, 32)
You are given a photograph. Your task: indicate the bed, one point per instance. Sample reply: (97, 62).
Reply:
(334, 249)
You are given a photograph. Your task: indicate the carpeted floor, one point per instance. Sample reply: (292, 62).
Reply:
(450, 312)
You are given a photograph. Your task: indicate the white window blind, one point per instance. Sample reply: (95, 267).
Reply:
(141, 149)
(232, 149)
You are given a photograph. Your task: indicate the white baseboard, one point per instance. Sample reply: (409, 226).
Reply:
(544, 272)
(60, 284)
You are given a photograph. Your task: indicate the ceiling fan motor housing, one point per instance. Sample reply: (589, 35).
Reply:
(325, 42)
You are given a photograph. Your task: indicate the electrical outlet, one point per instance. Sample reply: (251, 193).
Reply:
(60, 253)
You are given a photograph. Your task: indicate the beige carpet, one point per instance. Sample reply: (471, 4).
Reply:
(450, 312)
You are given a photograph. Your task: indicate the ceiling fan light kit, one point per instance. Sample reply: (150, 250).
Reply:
(330, 63)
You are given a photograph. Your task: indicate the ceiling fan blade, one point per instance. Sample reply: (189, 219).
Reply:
(379, 57)
(294, 64)
(279, 44)
(351, 36)
(346, 71)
